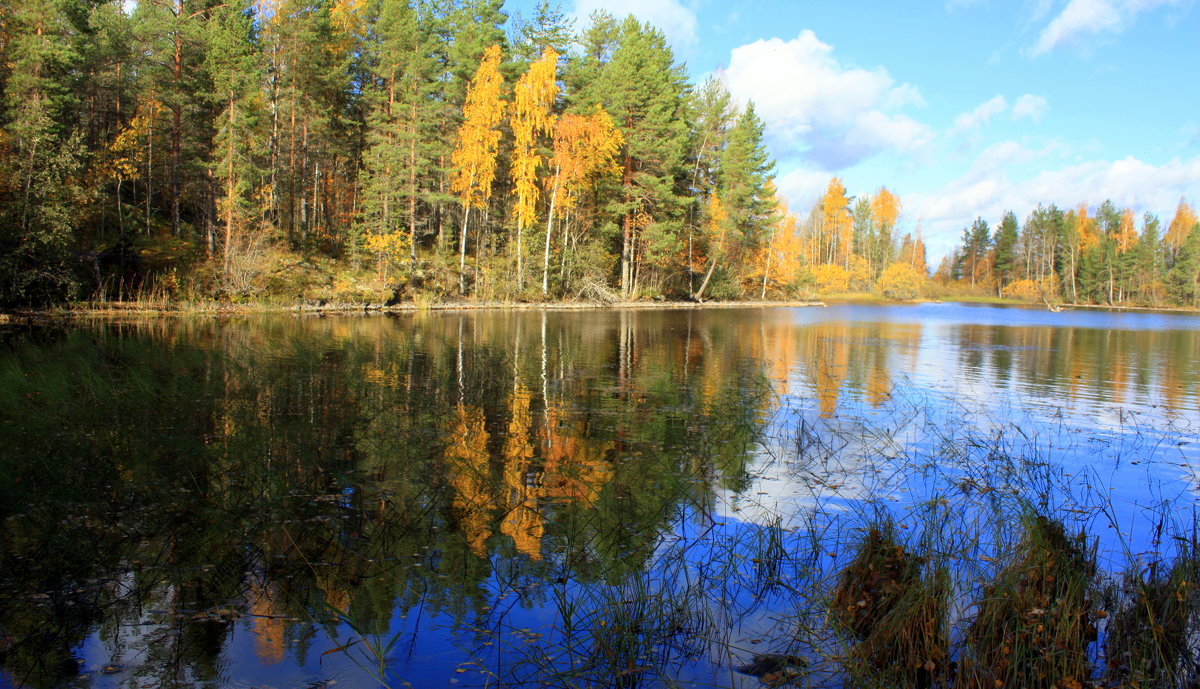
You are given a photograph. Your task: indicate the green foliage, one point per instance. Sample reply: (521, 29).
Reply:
(1003, 251)
(1183, 280)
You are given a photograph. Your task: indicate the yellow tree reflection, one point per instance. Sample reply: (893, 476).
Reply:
(467, 463)
(523, 523)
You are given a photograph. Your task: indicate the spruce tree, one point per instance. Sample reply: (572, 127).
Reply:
(1183, 280)
(644, 91)
(1004, 251)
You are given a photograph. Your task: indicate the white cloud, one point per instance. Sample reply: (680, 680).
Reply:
(1079, 17)
(1029, 106)
(677, 22)
(992, 186)
(833, 114)
(981, 115)
(1082, 18)
(802, 187)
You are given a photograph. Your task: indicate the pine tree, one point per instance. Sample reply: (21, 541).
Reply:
(746, 180)
(1149, 258)
(547, 28)
(1183, 280)
(402, 148)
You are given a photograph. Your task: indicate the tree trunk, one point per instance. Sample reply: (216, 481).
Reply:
(229, 192)
(462, 252)
(549, 229)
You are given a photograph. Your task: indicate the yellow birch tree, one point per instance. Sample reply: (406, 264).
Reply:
(1181, 225)
(585, 147)
(837, 225)
(474, 158)
(532, 118)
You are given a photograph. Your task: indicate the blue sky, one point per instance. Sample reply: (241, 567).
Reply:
(964, 108)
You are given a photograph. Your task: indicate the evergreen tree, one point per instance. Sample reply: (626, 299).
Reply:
(644, 91)
(170, 37)
(745, 178)
(40, 190)
(400, 161)
(1003, 251)
(976, 241)
(232, 60)
(1149, 257)
(547, 28)
(1183, 280)
(596, 44)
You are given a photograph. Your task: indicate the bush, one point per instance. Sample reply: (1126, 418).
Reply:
(900, 281)
(831, 278)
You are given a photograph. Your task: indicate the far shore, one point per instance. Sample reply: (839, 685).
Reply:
(150, 309)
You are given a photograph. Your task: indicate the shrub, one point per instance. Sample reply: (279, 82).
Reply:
(831, 278)
(899, 281)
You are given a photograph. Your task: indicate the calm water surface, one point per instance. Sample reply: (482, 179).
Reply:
(507, 499)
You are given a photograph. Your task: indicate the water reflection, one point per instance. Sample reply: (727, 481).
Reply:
(190, 501)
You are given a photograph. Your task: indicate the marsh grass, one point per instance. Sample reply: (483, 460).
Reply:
(1036, 619)
(893, 605)
(1151, 629)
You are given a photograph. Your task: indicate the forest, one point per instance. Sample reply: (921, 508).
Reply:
(1081, 258)
(388, 151)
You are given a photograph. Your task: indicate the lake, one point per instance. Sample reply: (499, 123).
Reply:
(529, 498)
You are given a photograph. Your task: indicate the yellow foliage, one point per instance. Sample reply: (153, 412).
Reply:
(831, 278)
(1181, 225)
(467, 461)
(900, 281)
(859, 273)
(788, 247)
(1127, 236)
(474, 159)
(119, 159)
(388, 244)
(1088, 237)
(885, 208)
(836, 222)
(714, 224)
(585, 147)
(533, 102)
(1032, 290)
(348, 17)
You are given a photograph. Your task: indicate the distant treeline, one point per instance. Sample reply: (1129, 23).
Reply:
(1082, 258)
(383, 150)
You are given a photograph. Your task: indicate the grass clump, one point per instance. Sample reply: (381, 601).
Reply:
(1147, 640)
(893, 605)
(1036, 619)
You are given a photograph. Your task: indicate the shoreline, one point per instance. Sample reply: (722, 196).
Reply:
(116, 309)
(138, 309)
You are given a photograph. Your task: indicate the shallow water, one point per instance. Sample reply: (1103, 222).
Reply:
(508, 499)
